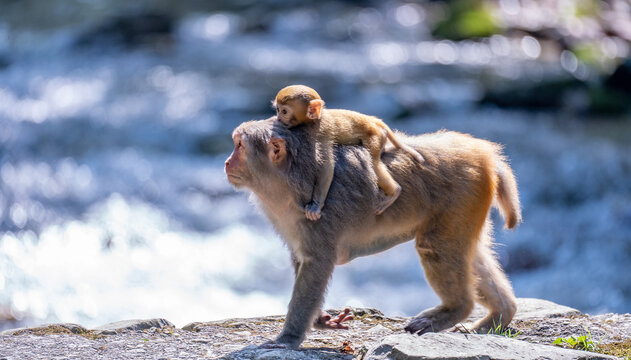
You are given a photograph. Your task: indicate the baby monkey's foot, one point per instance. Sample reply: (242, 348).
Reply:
(388, 200)
(312, 211)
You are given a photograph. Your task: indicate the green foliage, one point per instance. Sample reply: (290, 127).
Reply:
(361, 352)
(588, 52)
(498, 329)
(608, 101)
(584, 342)
(466, 19)
(506, 332)
(586, 8)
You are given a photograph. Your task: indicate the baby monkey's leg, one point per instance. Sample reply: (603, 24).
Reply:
(390, 187)
(385, 181)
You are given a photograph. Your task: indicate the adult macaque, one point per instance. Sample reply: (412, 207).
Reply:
(444, 205)
(298, 104)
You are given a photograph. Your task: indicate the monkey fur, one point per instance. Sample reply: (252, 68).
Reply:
(301, 105)
(444, 206)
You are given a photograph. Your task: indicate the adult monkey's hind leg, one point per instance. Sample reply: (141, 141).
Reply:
(494, 291)
(448, 268)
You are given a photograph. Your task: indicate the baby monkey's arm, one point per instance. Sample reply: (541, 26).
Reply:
(323, 182)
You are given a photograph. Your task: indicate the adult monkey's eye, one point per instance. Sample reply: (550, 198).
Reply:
(284, 111)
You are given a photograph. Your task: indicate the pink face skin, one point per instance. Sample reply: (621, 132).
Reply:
(285, 114)
(236, 164)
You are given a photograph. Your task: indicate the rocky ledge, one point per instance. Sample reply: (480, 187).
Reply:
(372, 335)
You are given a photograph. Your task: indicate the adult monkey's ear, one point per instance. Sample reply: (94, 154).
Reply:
(277, 150)
(314, 108)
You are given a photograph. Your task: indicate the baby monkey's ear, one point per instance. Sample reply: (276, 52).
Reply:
(314, 108)
(277, 150)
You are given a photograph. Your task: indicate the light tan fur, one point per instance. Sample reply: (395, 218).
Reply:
(444, 205)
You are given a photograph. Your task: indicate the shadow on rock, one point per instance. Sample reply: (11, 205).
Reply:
(255, 352)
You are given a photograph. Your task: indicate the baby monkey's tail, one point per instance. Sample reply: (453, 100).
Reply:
(398, 144)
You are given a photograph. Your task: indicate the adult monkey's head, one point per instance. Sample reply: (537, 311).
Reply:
(257, 154)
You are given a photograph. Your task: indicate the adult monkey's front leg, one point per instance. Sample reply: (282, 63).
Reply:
(325, 321)
(307, 297)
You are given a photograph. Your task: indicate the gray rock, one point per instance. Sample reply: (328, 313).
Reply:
(115, 327)
(469, 346)
(47, 329)
(12, 331)
(379, 329)
(192, 326)
(74, 328)
(256, 353)
(544, 323)
(528, 309)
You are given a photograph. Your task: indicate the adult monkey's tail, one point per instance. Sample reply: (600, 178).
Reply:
(507, 195)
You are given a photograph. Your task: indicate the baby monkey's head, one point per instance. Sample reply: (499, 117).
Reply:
(297, 104)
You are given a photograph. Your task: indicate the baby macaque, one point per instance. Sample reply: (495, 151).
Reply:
(299, 104)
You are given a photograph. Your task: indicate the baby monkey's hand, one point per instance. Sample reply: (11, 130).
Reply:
(312, 211)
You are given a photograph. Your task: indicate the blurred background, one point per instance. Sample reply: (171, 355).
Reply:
(115, 121)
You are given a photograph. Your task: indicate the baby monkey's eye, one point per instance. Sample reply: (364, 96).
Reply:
(284, 111)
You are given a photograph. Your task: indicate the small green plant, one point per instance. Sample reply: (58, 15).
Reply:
(361, 352)
(506, 332)
(498, 329)
(463, 329)
(584, 342)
